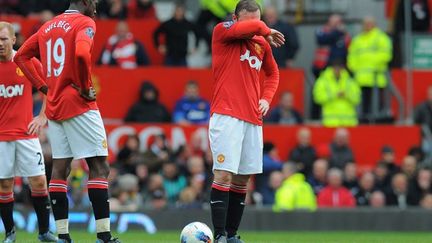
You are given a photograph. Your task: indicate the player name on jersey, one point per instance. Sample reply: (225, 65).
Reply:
(58, 24)
(11, 90)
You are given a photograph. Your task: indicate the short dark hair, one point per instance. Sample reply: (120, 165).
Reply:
(248, 5)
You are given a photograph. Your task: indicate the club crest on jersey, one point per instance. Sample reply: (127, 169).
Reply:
(19, 72)
(90, 32)
(254, 62)
(258, 48)
(11, 91)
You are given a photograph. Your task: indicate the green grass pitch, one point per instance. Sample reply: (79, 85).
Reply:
(259, 237)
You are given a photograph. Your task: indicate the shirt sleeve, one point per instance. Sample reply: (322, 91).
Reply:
(228, 31)
(23, 59)
(83, 46)
(271, 70)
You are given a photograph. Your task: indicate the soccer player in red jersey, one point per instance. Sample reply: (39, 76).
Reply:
(75, 127)
(240, 49)
(20, 150)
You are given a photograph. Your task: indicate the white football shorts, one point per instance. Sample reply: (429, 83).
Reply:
(236, 145)
(80, 137)
(21, 158)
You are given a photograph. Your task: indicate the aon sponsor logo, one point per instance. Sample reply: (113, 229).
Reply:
(11, 91)
(254, 62)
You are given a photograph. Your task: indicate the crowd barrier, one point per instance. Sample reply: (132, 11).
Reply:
(150, 221)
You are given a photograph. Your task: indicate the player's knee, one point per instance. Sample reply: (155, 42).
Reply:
(222, 176)
(38, 182)
(6, 185)
(240, 180)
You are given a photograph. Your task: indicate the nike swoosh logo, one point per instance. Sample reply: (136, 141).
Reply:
(242, 203)
(213, 202)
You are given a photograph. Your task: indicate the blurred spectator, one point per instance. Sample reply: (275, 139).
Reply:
(148, 108)
(318, 179)
(126, 196)
(44, 17)
(271, 163)
(285, 55)
(417, 153)
(112, 9)
(9, 6)
(335, 195)
(377, 199)
(397, 195)
(420, 187)
(303, 153)
(426, 202)
(420, 22)
(191, 108)
(154, 197)
(37, 101)
(129, 156)
(196, 168)
(77, 184)
(18, 35)
(350, 177)
(211, 13)
(369, 55)
(188, 199)
(338, 94)
(340, 151)
(57, 6)
(423, 112)
(333, 41)
(173, 181)
(176, 31)
(409, 166)
(388, 158)
(274, 183)
(123, 49)
(141, 9)
(295, 193)
(285, 113)
(366, 189)
(382, 177)
(142, 174)
(157, 154)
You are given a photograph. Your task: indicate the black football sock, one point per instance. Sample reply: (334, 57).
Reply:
(98, 194)
(6, 210)
(219, 199)
(237, 196)
(42, 208)
(60, 207)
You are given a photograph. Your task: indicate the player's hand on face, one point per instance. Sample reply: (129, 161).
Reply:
(37, 124)
(264, 106)
(276, 38)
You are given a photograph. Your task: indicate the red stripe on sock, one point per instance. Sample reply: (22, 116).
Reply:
(220, 188)
(58, 182)
(39, 193)
(6, 197)
(97, 183)
(238, 189)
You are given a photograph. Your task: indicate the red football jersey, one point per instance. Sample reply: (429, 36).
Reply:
(239, 52)
(55, 44)
(16, 102)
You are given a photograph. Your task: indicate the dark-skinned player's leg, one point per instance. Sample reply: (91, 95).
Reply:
(58, 196)
(98, 194)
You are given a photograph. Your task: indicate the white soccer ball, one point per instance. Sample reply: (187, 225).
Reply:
(196, 232)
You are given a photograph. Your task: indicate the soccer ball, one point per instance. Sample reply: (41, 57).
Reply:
(196, 232)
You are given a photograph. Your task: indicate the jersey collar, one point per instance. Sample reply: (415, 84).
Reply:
(71, 11)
